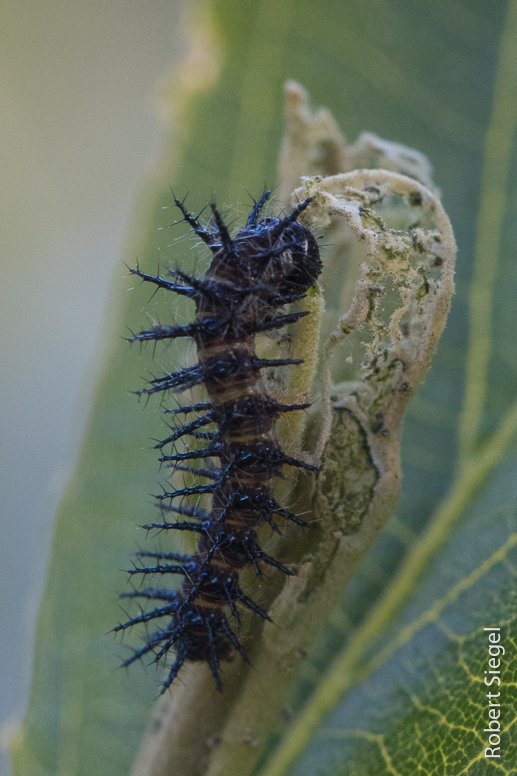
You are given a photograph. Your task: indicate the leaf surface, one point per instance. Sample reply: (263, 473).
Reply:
(435, 76)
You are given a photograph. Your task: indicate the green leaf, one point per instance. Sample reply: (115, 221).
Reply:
(413, 674)
(436, 76)
(418, 700)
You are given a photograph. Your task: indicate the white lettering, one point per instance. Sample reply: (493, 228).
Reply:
(492, 676)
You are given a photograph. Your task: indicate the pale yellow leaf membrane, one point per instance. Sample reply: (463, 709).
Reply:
(313, 144)
(402, 296)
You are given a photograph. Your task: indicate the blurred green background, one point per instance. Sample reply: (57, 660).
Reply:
(83, 126)
(80, 126)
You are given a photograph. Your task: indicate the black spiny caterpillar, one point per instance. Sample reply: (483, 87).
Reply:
(252, 276)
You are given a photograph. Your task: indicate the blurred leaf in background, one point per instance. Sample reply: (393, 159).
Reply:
(79, 128)
(407, 639)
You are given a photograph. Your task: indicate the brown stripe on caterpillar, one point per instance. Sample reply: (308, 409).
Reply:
(268, 264)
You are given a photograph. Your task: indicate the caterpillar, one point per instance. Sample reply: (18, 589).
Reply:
(267, 265)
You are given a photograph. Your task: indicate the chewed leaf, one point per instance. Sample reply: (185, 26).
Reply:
(403, 294)
(314, 145)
